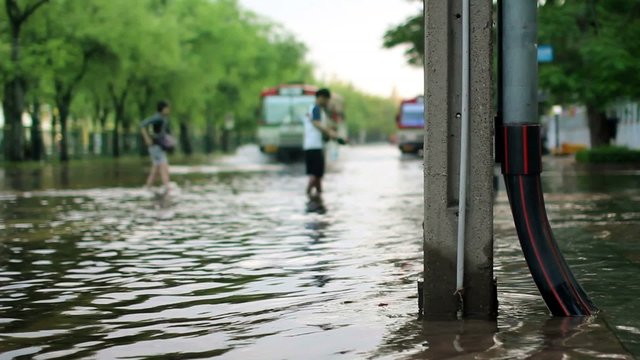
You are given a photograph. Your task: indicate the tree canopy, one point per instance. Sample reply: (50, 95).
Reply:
(118, 57)
(409, 34)
(103, 64)
(595, 47)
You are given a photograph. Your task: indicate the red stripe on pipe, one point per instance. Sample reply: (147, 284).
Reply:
(526, 150)
(548, 237)
(535, 248)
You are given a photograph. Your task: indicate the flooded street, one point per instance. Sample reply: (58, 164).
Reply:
(238, 264)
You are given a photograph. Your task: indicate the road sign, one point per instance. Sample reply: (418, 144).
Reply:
(545, 53)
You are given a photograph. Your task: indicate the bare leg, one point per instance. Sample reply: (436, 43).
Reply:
(164, 174)
(312, 184)
(152, 175)
(319, 185)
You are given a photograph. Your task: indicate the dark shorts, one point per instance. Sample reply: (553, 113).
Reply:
(315, 162)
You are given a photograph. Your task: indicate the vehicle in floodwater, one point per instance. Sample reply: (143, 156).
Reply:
(410, 125)
(282, 112)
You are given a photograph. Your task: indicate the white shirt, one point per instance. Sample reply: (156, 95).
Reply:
(312, 135)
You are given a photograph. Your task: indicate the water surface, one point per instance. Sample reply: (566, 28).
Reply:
(239, 264)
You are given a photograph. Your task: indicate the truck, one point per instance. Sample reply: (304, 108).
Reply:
(283, 109)
(410, 125)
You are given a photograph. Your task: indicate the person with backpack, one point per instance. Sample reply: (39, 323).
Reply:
(159, 141)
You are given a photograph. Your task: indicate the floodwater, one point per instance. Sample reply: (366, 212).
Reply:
(238, 264)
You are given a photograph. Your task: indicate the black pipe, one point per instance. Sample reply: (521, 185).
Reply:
(521, 166)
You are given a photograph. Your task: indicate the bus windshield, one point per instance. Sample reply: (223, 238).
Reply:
(286, 109)
(412, 115)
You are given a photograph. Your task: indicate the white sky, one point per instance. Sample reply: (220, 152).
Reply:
(344, 38)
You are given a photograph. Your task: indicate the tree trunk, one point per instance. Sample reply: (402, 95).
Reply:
(185, 141)
(104, 115)
(225, 140)
(119, 101)
(13, 104)
(599, 130)
(14, 89)
(54, 133)
(63, 102)
(37, 146)
(117, 121)
(64, 135)
(103, 131)
(126, 138)
(209, 140)
(116, 136)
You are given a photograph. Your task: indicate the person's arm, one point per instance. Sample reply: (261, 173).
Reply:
(145, 136)
(145, 133)
(316, 120)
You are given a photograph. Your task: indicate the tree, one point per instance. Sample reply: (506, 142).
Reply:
(596, 51)
(104, 63)
(128, 44)
(13, 101)
(409, 34)
(70, 51)
(371, 115)
(37, 145)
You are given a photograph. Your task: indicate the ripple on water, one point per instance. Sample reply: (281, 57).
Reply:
(239, 266)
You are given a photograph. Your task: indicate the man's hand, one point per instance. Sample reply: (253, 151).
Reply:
(146, 137)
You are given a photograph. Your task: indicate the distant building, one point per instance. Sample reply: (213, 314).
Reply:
(628, 131)
(574, 125)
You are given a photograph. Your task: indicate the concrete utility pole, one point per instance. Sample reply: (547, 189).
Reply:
(443, 99)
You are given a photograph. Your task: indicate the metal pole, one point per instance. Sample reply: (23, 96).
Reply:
(520, 64)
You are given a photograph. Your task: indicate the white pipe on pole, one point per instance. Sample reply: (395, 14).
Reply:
(464, 149)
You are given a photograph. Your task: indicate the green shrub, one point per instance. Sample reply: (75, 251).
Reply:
(608, 155)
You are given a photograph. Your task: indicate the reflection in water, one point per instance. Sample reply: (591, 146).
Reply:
(162, 199)
(64, 175)
(316, 205)
(240, 264)
(444, 340)
(551, 338)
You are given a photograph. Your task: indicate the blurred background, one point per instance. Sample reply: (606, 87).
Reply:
(79, 77)
(237, 261)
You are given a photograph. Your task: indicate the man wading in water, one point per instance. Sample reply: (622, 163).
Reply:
(158, 144)
(314, 129)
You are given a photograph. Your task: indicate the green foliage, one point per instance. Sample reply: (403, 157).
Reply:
(105, 63)
(596, 50)
(609, 155)
(364, 112)
(409, 34)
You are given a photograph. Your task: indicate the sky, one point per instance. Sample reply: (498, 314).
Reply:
(344, 38)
